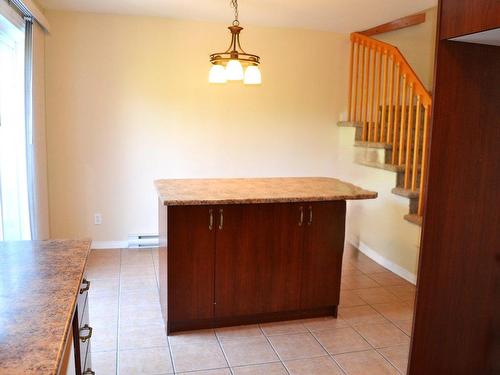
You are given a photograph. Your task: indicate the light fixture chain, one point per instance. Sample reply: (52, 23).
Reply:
(234, 4)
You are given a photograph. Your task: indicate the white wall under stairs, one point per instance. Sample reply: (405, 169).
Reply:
(377, 226)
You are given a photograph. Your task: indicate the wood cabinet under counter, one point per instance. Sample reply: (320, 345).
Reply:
(242, 251)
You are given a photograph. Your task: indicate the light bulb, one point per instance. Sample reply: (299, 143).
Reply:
(252, 75)
(234, 71)
(217, 74)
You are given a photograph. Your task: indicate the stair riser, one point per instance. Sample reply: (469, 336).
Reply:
(400, 179)
(370, 154)
(413, 205)
(359, 134)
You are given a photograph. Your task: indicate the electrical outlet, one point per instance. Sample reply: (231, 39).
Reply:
(97, 219)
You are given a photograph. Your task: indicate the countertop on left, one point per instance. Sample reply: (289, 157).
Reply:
(39, 284)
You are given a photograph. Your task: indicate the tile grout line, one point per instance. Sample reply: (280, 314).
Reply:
(164, 327)
(170, 352)
(371, 305)
(223, 351)
(399, 301)
(387, 359)
(353, 326)
(369, 343)
(274, 350)
(327, 352)
(395, 325)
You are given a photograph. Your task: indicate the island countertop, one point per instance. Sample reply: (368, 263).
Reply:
(39, 285)
(178, 192)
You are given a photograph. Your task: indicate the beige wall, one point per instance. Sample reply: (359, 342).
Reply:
(128, 102)
(417, 44)
(377, 227)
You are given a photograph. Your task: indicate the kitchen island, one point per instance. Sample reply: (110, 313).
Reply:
(242, 251)
(43, 308)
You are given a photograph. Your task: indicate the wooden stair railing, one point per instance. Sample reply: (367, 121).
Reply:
(392, 105)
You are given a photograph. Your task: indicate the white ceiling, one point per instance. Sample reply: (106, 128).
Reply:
(334, 15)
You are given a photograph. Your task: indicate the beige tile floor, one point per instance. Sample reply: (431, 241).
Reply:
(370, 337)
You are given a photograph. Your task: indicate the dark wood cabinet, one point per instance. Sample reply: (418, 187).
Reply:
(191, 264)
(323, 248)
(246, 263)
(257, 257)
(457, 313)
(461, 17)
(77, 353)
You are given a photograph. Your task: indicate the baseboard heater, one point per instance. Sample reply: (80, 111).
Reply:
(143, 240)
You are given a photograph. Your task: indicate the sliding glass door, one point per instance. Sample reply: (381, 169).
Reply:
(14, 199)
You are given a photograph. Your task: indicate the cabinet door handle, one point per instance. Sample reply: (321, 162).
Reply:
(210, 219)
(301, 218)
(89, 372)
(310, 216)
(221, 219)
(88, 336)
(86, 287)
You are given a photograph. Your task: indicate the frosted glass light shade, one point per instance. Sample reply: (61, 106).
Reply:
(252, 75)
(234, 71)
(217, 74)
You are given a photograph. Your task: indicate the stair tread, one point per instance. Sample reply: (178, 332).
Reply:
(386, 146)
(350, 124)
(387, 167)
(414, 219)
(407, 193)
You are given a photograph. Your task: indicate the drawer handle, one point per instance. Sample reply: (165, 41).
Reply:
(88, 336)
(210, 219)
(86, 287)
(89, 372)
(221, 219)
(310, 216)
(301, 219)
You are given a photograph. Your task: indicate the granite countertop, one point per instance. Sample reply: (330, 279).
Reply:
(257, 190)
(39, 285)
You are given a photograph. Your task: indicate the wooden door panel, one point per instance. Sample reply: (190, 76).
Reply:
(322, 254)
(285, 259)
(457, 314)
(257, 260)
(468, 16)
(191, 247)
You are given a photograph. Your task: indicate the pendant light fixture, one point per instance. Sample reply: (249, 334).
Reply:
(235, 64)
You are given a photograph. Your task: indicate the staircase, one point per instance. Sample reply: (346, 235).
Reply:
(390, 109)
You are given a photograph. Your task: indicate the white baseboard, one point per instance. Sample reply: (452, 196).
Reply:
(384, 262)
(109, 245)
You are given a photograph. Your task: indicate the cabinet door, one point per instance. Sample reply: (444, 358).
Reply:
(191, 246)
(69, 359)
(257, 259)
(322, 254)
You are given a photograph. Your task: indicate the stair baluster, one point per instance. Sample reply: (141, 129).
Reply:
(402, 125)
(409, 134)
(371, 91)
(384, 92)
(395, 144)
(391, 98)
(392, 107)
(416, 146)
(379, 87)
(363, 93)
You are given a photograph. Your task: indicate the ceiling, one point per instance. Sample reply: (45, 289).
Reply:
(333, 15)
